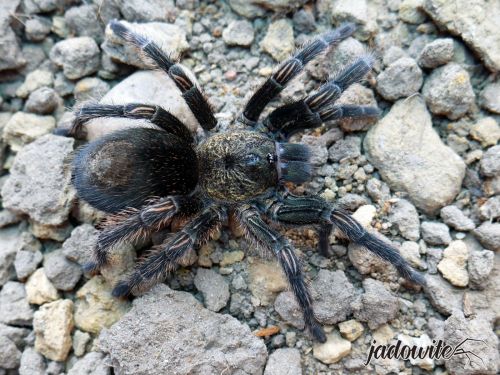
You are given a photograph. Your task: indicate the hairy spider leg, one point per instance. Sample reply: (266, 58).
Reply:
(297, 210)
(258, 231)
(311, 111)
(133, 224)
(153, 113)
(191, 93)
(289, 69)
(168, 255)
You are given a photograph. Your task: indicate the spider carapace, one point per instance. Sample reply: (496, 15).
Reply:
(146, 177)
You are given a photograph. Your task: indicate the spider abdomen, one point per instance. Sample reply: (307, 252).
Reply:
(126, 168)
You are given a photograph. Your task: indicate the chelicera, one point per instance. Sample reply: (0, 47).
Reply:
(143, 178)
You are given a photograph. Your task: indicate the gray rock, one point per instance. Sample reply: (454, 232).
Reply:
(377, 305)
(108, 10)
(480, 265)
(457, 329)
(289, 310)
(332, 295)
(37, 57)
(303, 21)
(410, 11)
(171, 38)
(476, 27)
(448, 91)
(92, 363)
(78, 248)
(436, 53)
(39, 6)
(435, 233)
(24, 128)
(490, 210)
(11, 56)
(455, 218)
(405, 216)
(490, 162)
(411, 157)
(8, 217)
(434, 256)
(238, 33)
(90, 88)
(42, 101)
(39, 185)
(63, 273)
(83, 21)
(32, 362)
(189, 327)
(8, 240)
(80, 341)
(444, 297)
(155, 10)
(392, 54)
(28, 255)
(319, 152)
(378, 190)
(489, 235)
(10, 356)
(55, 368)
(19, 336)
(37, 28)
(284, 362)
(347, 148)
(278, 41)
(14, 307)
(62, 85)
(79, 57)
(34, 80)
(400, 79)
(490, 97)
(351, 201)
(214, 288)
(246, 8)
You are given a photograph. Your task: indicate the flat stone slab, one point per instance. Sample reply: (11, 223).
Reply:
(411, 157)
(170, 332)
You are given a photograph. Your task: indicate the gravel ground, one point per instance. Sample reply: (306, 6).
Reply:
(426, 176)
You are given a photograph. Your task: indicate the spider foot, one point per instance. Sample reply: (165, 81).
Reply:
(91, 267)
(318, 332)
(122, 289)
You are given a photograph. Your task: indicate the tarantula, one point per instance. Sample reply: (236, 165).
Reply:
(144, 177)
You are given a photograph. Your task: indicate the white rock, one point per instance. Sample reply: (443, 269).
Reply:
(148, 87)
(39, 289)
(453, 266)
(333, 350)
(53, 324)
(24, 128)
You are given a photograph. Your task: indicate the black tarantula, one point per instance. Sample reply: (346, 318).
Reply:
(146, 177)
